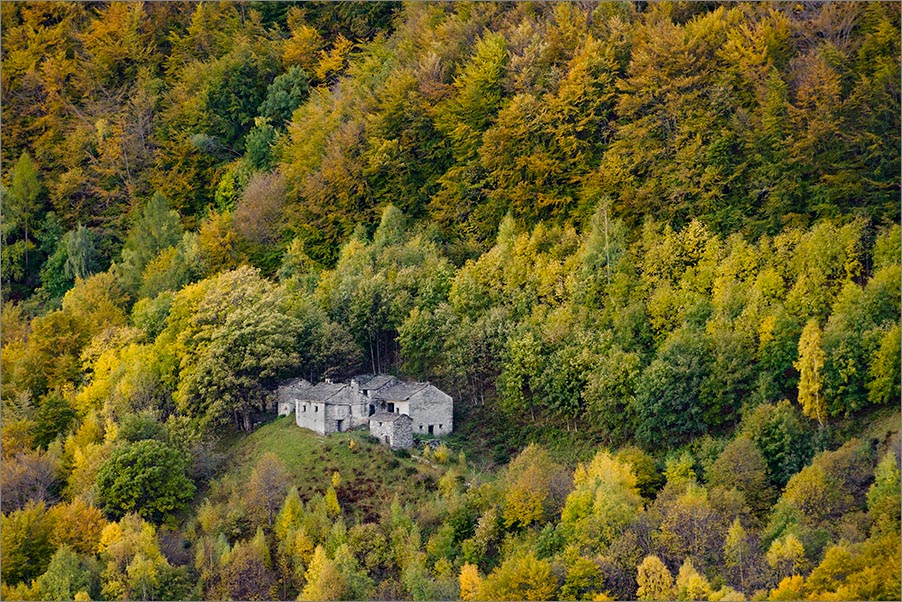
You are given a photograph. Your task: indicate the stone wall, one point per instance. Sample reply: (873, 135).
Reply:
(432, 407)
(311, 415)
(392, 430)
(338, 418)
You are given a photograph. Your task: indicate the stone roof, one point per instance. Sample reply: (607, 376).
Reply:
(368, 382)
(388, 417)
(297, 384)
(322, 391)
(379, 381)
(401, 391)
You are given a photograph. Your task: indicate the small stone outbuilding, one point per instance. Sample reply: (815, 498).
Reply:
(393, 430)
(287, 394)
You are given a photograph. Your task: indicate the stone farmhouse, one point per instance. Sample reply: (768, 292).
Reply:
(393, 410)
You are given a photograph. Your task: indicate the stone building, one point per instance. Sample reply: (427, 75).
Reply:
(393, 430)
(287, 394)
(329, 407)
(369, 385)
(431, 410)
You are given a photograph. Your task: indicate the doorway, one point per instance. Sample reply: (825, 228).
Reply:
(431, 426)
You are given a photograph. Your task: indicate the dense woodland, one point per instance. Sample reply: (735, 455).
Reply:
(651, 249)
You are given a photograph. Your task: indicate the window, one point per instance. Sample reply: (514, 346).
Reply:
(316, 408)
(440, 426)
(391, 408)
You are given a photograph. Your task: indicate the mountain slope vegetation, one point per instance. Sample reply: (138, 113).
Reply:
(651, 249)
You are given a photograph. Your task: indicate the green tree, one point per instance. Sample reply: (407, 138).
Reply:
(81, 253)
(66, 575)
(286, 93)
(884, 371)
(156, 228)
(611, 394)
(782, 436)
(667, 393)
(230, 338)
(742, 466)
(22, 199)
(146, 477)
(477, 96)
(883, 496)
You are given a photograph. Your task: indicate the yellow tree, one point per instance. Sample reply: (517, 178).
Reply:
(77, 524)
(470, 582)
(523, 577)
(811, 379)
(787, 556)
(536, 488)
(604, 500)
(690, 584)
(654, 580)
(324, 582)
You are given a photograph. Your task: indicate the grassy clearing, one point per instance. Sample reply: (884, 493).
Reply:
(371, 474)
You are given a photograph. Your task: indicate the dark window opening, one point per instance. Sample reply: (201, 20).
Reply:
(372, 409)
(391, 408)
(430, 429)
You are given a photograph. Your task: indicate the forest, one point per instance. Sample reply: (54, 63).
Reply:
(652, 249)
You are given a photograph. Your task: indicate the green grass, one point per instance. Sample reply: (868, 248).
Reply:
(371, 474)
